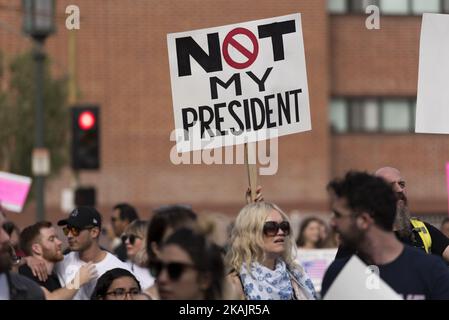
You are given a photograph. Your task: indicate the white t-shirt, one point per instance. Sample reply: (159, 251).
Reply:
(142, 274)
(4, 287)
(67, 269)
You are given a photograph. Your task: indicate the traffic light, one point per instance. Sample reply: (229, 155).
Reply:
(85, 137)
(85, 196)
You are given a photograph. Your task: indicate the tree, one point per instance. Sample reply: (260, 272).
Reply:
(17, 116)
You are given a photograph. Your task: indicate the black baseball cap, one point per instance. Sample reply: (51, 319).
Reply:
(82, 217)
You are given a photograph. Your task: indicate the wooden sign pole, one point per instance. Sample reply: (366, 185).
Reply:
(251, 166)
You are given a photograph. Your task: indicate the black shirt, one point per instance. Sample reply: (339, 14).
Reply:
(22, 288)
(51, 284)
(439, 243)
(414, 275)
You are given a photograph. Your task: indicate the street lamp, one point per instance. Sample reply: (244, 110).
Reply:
(39, 18)
(39, 24)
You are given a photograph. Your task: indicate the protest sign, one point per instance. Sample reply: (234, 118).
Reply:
(13, 191)
(239, 83)
(315, 263)
(432, 105)
(447, 183)
(357, 282)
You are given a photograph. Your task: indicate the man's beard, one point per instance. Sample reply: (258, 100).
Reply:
(402, 220)
(52, 256)
(5, 257)
(353, 239)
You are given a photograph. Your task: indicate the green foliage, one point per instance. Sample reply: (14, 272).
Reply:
(17, 116)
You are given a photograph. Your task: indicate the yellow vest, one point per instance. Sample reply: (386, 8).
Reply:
(423, 233)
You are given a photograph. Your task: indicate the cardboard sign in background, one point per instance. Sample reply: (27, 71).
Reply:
(13, 191)
(247, 52)
(432, 105)
(315, 262)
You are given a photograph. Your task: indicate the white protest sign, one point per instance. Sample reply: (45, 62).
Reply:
(315, 262)
(432, 105)
(239, 83)
(357, 282)
(13, 191)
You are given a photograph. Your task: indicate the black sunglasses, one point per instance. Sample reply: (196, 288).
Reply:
(174, 269)
(271, 228)
(74, 230)
(132, 238)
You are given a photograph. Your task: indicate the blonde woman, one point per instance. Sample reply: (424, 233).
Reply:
(260, 257)
(134, 239)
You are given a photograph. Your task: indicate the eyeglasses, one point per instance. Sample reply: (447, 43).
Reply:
(120, 293)
(74, 230)
(271, 228)
(174, 269)
(132, 238)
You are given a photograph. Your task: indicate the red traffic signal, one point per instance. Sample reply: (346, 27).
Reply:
(86, 120)
(85, 137)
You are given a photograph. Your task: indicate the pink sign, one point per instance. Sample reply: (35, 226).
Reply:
(447, 180)
(13, 191)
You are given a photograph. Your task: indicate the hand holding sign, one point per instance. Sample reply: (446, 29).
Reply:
(239, 84)
(258, 195)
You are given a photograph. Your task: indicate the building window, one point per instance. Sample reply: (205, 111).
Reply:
(445, 5)
(337, 6)
(360, 5)
(389, 7)
(396, 115)
(399, 7)
(339, 115)
(421, 6)
(372, 115)
(364, 115)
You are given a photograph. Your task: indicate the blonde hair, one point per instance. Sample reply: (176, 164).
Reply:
(214, 226)
(139, 228)
(247, 241)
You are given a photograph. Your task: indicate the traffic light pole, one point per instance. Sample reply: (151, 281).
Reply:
(73, 92)
(39, 58)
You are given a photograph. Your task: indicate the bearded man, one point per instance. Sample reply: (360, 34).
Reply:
(41, 242)
(408, 230)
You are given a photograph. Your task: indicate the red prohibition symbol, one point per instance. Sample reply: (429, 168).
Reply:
(229, 40)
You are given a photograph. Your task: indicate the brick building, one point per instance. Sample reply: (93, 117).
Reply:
(122, 64)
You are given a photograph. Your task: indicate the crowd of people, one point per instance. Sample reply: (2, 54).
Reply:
(173, 256)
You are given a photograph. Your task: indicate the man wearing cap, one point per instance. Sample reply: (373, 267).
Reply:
(41, 242)
(83, 228)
